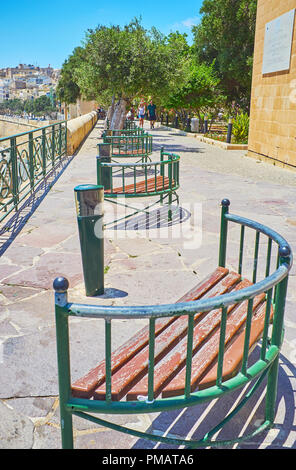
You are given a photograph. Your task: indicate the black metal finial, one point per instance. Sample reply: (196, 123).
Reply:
(284, 251)
(225, 202)
(60, 284)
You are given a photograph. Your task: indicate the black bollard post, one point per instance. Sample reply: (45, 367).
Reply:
(229, 131)
(206, 124)
(188, 124)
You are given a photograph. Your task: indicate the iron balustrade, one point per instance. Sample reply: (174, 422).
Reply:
(123, 132)
(141, 179)
(132, 174)
(273, 286)
(25, 160)
(129, 145)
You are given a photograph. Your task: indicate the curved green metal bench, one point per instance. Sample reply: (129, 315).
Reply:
(140, 180)
(192, 351)
(124, 132)
(129, 145)
(128, 124)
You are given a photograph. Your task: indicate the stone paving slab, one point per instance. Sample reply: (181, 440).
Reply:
(143, 267)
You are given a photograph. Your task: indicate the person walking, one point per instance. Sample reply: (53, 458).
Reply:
(152, 114)
(141, 112)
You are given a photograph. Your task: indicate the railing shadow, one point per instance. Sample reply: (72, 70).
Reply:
(195, 421)
(13, 225)
(155, 219)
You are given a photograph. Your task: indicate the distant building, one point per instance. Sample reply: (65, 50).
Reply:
(27, 81)
(26, 70)
(4, 90)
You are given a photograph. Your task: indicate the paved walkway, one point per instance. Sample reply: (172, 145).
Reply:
(156, 267)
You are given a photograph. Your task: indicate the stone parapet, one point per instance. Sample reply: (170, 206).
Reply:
(78, 129)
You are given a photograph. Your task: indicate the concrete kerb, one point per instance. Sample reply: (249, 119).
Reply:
(207, 140)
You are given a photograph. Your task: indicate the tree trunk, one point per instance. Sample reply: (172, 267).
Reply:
(110, 112)
(119, 115)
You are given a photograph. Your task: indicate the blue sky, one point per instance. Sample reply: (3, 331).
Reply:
(46, 32)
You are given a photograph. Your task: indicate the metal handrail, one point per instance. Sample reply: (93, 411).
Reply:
(27, 161)
(267, 364)
(33, 130)
(202, 305)
(129, 145)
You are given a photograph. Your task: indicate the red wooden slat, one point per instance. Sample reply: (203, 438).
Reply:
(140, 187)
(133, 371)
(233, 353)
(209, 351)
(84, 386)
(168, 367)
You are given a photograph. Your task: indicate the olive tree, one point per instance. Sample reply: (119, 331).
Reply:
(123, 63)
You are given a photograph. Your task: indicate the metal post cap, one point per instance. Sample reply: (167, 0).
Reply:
(60, 284)
(88, 187)
(225, 202)
(284, 251)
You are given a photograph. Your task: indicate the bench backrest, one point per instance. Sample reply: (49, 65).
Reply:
(273, 285)
(123, 132)
(157, 178)
(129, 145)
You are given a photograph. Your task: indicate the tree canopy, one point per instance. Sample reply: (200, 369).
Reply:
(38, 106)
(226, 34)
(128, 62)
(124, 63)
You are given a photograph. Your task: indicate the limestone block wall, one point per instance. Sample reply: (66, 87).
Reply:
(80, 108)
(11, 125)
(272, 135)
(78, 129)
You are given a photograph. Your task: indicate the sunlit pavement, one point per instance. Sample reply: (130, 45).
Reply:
(155, 263)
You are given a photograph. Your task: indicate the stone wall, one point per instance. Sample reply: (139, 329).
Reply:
(273, 103)
(11, 126)
(80, 108)
(78, 129)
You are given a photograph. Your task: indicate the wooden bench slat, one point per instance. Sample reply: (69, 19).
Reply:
(168, 367)
(153, 184)
(84, 386)
(209, 351)
(133, 371)
(233, 356)
(124, 151)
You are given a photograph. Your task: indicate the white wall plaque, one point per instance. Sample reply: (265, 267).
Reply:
(278, 43)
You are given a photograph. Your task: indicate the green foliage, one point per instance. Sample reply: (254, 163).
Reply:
(226, 33)
(199, 90)
(131, 62)
(38, 106)
(14, 105)
(68, 90)
(240, 128)
(122, 62)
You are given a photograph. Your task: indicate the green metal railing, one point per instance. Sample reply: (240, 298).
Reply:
(25, 160)
(273, 285)
(157, 177)
(123, 132)
(129, 145)
(139, 180)
(128, 124)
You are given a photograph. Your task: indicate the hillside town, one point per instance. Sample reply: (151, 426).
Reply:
(27, 81)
